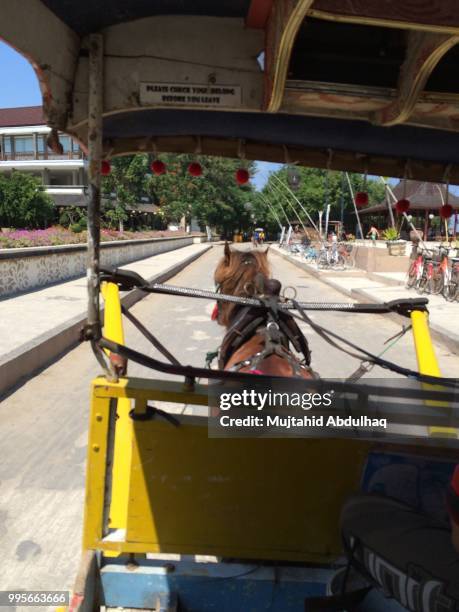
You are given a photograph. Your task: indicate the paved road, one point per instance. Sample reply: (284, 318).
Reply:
(44, 423)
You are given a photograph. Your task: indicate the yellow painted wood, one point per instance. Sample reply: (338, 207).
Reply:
(113, 318)
(262, 498)
(151, 389)
(113, 330)
(427, 363)
(95, 471)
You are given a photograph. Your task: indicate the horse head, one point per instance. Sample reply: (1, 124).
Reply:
(243, 273)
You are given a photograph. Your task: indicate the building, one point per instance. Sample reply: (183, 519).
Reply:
(425, 199)
(23, 135)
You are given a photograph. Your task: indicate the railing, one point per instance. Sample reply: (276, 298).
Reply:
(43, 156)
(78, 186)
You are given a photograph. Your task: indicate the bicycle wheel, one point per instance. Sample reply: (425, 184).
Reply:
(322, 261)
(422, 284)
(339, 264)
(450, 291)
(436, 282)
(412, 276)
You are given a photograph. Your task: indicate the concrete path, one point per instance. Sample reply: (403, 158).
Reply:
(384, 287)
(37, 326)
(44, 422)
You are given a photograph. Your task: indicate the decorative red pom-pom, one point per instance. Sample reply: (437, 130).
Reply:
(214, 315)
(242, 176)
(158, 167)
(402, 206)
(361, 198)
(195, 169)
(446, 211)
(105, 168)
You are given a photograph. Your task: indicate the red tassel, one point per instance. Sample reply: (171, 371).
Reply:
(105, 167)
(195, 169)
(402, 206)
(158, 167)
(361, 199)
(242, 176)
(446, 211)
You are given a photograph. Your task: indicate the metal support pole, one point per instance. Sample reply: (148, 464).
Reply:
(95, 109)
(405, 216)
(355, 207)
(297, 201)
(341, 200)
(280, 204)
(293, 208)
(271, 208)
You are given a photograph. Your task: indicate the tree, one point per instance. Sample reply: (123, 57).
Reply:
(24, 202)
(124, 187)
(316, 189)
(214, 199)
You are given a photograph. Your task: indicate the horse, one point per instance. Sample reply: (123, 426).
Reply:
(257, 341)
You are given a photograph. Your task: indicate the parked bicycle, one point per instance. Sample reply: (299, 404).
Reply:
(435, 272)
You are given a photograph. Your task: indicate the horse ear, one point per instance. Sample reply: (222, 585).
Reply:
(267, 249)
(227, 253)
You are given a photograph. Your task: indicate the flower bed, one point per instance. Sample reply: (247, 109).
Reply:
(53, 236)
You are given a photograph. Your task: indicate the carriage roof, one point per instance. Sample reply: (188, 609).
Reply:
(355, 85)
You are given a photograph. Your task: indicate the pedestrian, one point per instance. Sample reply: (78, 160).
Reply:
(373, 233)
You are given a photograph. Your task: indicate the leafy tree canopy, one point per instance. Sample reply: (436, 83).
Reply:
(316, 189)
(23, 202)
(214, 199)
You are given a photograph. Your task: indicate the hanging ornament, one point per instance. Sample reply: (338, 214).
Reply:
(361, 199)
(446, 211)
(293, 178)
(402, 206)
(242, 176)
(105, 167)
(195, 169)
(158, 167)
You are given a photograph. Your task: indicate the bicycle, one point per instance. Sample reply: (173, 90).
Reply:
(329, 257)
(451, 289)
(417, 271)
(438, 272)
(346, 250)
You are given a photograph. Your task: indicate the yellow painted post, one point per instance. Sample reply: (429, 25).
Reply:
(113, 330)
(427, 361)
(96, 470)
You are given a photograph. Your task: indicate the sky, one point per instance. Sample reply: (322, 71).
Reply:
(20, 88)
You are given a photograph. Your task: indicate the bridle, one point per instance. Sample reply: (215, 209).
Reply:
(277, 328)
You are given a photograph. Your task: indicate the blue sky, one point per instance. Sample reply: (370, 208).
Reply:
(20, 88)
(19, 83)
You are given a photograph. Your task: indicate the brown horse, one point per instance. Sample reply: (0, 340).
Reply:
(254, 342)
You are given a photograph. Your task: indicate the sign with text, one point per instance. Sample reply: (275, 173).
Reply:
(186, 94)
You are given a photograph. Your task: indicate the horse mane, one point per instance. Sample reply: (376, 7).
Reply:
(235, 272)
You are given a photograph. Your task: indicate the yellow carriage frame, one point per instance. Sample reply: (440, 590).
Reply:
(155, 488)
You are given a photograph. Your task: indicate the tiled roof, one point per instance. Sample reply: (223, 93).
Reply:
(422, 196)
(24, 115)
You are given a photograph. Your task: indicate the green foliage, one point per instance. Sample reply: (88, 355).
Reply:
(123, 187)
(76, 228)
(71, 215)
(316, 189)
(23, 202)
(391, 233)
(214, 199)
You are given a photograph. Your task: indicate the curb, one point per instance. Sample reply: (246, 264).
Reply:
(26, 360)
(438, 333)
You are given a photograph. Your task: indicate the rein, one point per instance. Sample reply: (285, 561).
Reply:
(276, 328)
